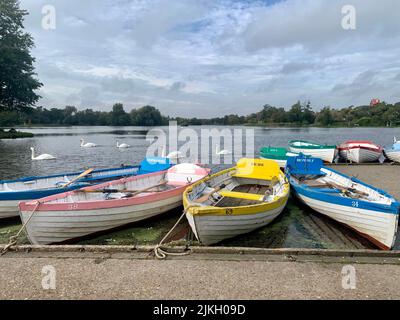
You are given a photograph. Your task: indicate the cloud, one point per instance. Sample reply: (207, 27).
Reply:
(177, 86)
(205, 58)
(293, 67)
(364, 82)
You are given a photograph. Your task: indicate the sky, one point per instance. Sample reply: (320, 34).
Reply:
(207, 58)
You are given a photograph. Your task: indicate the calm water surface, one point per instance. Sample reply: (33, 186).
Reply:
(298, 226)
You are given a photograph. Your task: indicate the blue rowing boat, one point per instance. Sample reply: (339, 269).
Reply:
(369, 211)
(31, 188)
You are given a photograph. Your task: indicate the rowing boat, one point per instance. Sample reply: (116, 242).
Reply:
(324, 152)
(393, 153)
(279, 155)
(370, 211)
(236, 201)
(30, 188)
(75, 214)
(360, 151)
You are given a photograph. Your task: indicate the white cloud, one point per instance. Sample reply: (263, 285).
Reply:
(204, 58)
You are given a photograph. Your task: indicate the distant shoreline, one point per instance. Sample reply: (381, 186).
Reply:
(273, 126)
(14, 134)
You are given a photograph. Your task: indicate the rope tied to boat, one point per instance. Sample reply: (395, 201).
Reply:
(13, 239)
(159, 252)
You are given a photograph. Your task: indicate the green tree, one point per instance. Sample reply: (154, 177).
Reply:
(325, 117)
(118, 116)
(146, 116)
(17, 76)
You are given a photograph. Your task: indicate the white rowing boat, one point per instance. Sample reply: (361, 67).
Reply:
(360, 151)
(75, 214)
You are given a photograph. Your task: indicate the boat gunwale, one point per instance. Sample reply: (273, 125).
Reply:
(33, 178)
(393, 208)
(352, 144)
(94, 205)
(198, 210)
(311, 146)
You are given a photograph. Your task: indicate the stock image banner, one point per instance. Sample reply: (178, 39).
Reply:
(199, 158)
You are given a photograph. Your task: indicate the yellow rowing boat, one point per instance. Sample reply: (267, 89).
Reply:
(236, 201)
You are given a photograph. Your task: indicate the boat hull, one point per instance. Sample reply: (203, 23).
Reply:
(253, 194)
(393, 155)
(326, 154)
(359, 155)
(31, 188)
(47, 227)
(9, 209)
(211, 229)
(379, 227)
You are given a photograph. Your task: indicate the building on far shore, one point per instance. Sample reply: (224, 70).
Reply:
(374, 102)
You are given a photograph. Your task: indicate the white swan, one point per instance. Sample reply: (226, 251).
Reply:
(123, 145)
(174, 155)
(43, 156)
(221, 152)
(87, 144)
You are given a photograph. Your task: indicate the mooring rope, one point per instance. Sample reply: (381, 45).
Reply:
(13, 239)
(162, 254)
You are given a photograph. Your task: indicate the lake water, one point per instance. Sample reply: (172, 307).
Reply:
(298, 226)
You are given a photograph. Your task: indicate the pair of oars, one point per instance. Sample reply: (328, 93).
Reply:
(343, 189)
(131, 192)
(208, 195)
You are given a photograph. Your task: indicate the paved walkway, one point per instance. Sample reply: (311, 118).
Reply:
(198, 276)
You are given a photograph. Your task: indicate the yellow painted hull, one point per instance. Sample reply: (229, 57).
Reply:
(213, 224)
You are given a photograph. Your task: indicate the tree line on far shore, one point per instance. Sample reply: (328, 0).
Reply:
(300, 114)
(19, 83)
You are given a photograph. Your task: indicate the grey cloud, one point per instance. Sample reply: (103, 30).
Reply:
(293, 67)
(177, 86)
(362, 83)
(313, 23)
(210, 57)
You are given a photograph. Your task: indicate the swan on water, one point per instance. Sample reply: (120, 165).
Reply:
(123, 145)
(221, 152)
(43, 156)
(87, 144)
(174, 155)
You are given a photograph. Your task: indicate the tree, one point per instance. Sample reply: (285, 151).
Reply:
(17, 76)
(325, 117)
(118, 116)
(146, 116)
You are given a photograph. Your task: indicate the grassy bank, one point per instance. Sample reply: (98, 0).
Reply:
(14, 134)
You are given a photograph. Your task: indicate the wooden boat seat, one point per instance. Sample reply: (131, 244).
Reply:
(241, 195)
(248, 189)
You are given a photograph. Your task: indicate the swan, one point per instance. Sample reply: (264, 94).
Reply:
(44, 156)
(123, 145)
(221, 152)
(174, 155)
(87, 144)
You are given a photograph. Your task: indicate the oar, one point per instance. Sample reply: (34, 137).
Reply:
(353, 190)
(83, 174)
(339, 187)
(112, 191)
(207, 195)
(133, 192)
